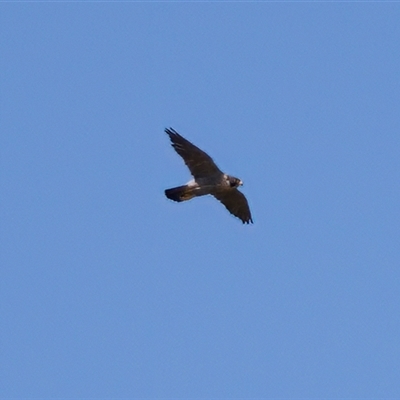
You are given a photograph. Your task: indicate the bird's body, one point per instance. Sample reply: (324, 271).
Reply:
(208, 179)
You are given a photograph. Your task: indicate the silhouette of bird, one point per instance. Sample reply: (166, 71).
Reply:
(208, 179)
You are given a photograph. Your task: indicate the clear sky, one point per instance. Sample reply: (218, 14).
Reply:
(108, 289)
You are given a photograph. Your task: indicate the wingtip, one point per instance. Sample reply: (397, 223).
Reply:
(171, 131)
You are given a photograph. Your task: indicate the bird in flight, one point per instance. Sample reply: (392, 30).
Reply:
(208, 179)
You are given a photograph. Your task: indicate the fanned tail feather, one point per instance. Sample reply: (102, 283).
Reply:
(180, 193)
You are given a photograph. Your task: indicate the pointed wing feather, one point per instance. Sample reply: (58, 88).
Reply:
(236, 203)
(199, 163)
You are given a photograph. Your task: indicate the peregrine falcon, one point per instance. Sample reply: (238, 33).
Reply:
(208, 179)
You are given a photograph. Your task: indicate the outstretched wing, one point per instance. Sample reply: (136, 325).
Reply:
(235, 202)
(199, 163)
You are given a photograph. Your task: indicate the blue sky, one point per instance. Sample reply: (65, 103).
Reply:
(108, 289)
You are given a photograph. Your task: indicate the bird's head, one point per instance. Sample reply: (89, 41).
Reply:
(234, 182)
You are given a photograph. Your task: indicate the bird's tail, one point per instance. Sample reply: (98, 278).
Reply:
(180, 193)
